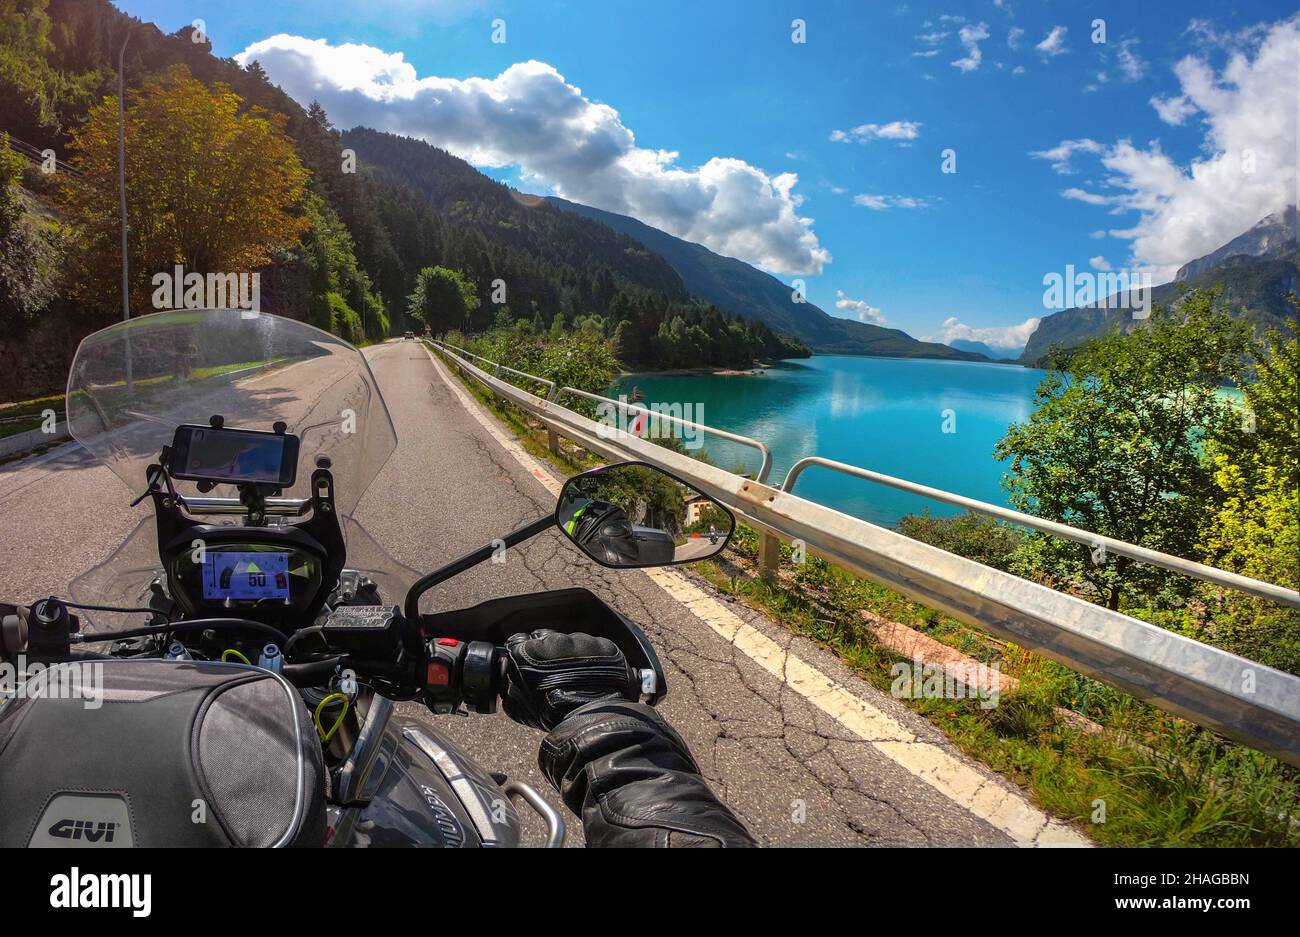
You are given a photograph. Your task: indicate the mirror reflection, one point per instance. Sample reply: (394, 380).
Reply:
(633, 514)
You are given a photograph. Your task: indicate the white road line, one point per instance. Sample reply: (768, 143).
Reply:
(999, 806)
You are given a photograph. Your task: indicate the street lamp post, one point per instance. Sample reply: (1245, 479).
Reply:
(121, 185)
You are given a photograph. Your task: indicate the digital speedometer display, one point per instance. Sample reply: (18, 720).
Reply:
(247, 576)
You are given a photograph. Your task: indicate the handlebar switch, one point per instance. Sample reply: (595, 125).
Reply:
(443, 666)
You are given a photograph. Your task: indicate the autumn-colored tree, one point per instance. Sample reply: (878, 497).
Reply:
(1256, 531)
(211, 184)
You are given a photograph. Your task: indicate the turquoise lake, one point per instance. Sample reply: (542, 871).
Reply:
(884, 414)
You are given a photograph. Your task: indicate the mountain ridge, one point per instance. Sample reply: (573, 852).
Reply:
(1256, 269)
(739, 288)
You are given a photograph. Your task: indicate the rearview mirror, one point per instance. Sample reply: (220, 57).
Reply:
(632, 515)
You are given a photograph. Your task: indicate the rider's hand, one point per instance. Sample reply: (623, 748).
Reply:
(548, 675)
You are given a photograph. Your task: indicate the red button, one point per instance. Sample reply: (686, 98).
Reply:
(447, 642)
(438, 674)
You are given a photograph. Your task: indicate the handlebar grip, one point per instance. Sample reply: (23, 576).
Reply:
(473, 673)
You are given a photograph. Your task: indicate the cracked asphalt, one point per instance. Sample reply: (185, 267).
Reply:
(792, 773)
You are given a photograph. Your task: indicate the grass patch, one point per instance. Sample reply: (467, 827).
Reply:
(26, 415)
(1149, 779)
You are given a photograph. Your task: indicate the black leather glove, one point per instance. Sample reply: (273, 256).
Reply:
(630, 777)
(548, 675)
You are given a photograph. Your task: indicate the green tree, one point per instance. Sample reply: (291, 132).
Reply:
(37, 99)
(342, 300)
(1116, 445)
(442, 299)
(973, 536)
(1256, 531)
(624, 347)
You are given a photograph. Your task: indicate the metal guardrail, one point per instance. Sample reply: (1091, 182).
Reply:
(1265, 590)
(1239, 698)
(38, 157)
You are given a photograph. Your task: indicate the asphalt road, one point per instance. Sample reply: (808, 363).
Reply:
(793, 773)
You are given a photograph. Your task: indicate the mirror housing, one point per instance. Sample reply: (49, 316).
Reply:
(632, 515)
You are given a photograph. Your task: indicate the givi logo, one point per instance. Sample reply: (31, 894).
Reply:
(89, 830)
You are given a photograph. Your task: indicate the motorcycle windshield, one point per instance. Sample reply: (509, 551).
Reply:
(132, 384)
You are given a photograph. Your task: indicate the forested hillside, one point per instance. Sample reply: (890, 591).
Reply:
(339, 241)
(561, 270)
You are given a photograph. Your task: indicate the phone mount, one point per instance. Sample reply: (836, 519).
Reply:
(319, 534)
(253, 495)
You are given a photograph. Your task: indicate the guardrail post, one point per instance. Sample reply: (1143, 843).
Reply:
(552, 437)
(769, 555)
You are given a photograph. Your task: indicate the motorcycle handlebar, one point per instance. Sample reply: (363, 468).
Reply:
(473, 673)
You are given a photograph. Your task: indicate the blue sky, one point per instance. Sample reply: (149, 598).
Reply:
(871, 222)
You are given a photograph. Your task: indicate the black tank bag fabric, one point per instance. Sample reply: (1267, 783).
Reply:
(176, 753)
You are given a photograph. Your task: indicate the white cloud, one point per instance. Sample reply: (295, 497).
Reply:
(1130, 63)
(1091, 198)
(1097, 235)
(1009, 340)
(901, 130)
(1246, 168)
(971, 37)
(1061, 153)
(885, 202)
(1099, 263)
(864, 311)
(1054, 42)
(529, 116)
(934, 38)
(1211, 36)
(1014, 35)
(1173, 110)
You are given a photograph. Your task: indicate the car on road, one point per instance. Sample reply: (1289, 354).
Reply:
(409, 334)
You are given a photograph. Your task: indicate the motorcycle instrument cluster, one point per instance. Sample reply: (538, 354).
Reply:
(231, 574)
(246, 575)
